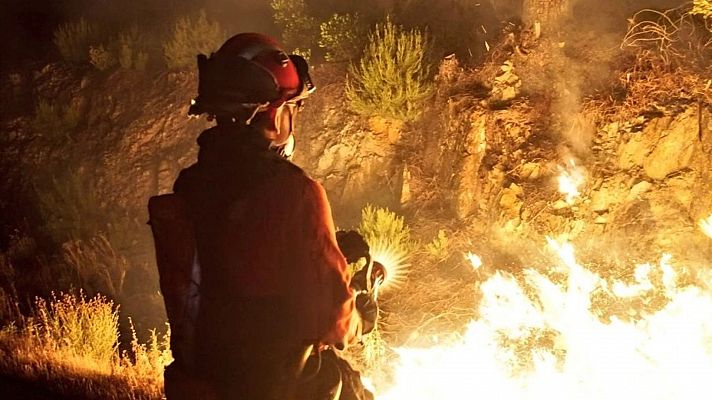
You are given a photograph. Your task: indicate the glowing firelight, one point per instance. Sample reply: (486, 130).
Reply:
(394, 259)
(570, 180)
(706, 226)
(474, 259)
(663, 355)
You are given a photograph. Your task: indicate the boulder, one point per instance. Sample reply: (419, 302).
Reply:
(675, 147)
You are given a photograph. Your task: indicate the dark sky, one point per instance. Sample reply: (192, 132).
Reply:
(27, 25)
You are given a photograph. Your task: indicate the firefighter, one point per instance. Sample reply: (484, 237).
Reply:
(250, 268)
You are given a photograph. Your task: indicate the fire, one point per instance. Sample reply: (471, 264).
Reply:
(541, 340)
(570, 180)
(706, 226)
(474, 259)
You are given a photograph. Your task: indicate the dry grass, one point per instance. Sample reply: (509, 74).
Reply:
(676, 36)
(667, 63)
(69, 345)
(98, 266)
(648, 86)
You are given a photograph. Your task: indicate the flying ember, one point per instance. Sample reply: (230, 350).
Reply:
(540, 338)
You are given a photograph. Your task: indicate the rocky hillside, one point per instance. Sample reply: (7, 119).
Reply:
(83, 150)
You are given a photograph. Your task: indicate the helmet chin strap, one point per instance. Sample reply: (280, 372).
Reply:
(258, 109)
(284, 122)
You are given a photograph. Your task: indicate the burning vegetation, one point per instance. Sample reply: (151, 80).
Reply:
(537, 185)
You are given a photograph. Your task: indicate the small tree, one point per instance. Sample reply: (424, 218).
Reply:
(342, 36)
(190, 38)
(391, 79)
(300, 31)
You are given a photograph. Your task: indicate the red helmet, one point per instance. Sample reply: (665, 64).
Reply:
(250, 72)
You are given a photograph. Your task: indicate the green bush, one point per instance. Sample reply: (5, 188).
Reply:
(702, 7)
(72, 325)
(71, 208)
(391, 79)
(101, 58)
(73, 40)
(300, 31)
(54, 120)
(68, 204)
(131, 51)
(440, 246)
(342, 37)
(384, 229)
(128, 50)
(192, 36)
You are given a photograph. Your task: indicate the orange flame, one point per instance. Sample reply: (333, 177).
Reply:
(570, 180)
(706, 226)
(664, 355)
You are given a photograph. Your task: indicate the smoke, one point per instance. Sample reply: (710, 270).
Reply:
(581, 49)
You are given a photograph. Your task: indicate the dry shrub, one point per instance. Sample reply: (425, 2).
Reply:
(300, 30)
(99, 268)
(702, 7)
(56, 121)
(648, 83)
(381, 225)
(9, 307)
(677, 36)
(73, 40)
(647, 86)
(666, 63)
(131, 49)
(342, 37)
(192, 36)
(147, 360)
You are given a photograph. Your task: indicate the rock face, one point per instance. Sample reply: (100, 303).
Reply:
(665, 146)
(134, 136)
(129, 136)
(465, 159)
(647, 181)
(357, 160)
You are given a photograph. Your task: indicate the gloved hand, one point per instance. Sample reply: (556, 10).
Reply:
(367, 307)
(352, 245)
(360, 279)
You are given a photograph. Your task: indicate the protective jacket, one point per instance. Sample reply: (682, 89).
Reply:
(271, 276)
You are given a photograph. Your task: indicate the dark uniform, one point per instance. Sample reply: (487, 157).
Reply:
(272, 279)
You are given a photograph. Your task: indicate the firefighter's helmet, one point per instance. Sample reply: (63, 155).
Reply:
(250, 77)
